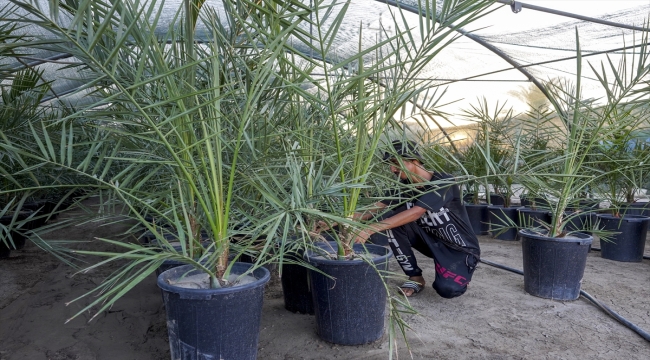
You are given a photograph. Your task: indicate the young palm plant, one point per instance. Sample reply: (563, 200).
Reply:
(567, 173)
(586, 125)
(364, 94)
(361, 97)
(181, 126)
(172, 120)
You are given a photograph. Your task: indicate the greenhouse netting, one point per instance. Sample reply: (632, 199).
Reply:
(209, 132)
(502, 56)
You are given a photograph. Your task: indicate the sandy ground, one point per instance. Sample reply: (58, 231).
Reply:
(495, 319)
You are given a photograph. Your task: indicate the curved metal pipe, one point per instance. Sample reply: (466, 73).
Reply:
(518, 5)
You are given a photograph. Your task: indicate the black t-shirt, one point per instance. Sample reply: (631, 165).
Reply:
(445, 218)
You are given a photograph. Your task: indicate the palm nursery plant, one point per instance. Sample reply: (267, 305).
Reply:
(361, 97)
(174, 128)
(576, 167)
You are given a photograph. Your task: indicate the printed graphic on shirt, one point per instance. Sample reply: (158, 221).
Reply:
(440, 225)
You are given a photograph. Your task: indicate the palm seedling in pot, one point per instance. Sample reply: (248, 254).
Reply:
(554, 258)
(362, 97)
(623, 159)
(498, 147)
(174, 133)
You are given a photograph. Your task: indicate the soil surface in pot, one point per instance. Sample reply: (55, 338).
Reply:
(202, 281)
(495, 319)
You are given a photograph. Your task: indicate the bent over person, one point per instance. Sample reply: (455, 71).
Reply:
(429, 217)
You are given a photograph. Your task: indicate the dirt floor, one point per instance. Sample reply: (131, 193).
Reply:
(495, 319)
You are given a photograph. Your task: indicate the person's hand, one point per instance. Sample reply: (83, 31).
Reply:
(363, 236)
(321, 226)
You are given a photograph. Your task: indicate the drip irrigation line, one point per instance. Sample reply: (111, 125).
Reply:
(598, 249)
(516, 6)
(616, 316)
(645, 335)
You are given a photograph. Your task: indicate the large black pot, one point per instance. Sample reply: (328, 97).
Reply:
(582, 222)
(214, 323)
(43, 211)
(497, 200)
(628, 241)
(17, 237)
(5, 250)
(500, 217)
(583, 205)
(173, 241)
(296, 287)
(478, 217)
(553, 267)
(531, 218)
(529, 201)
(469, 197)
(636, 208)
(350, 303)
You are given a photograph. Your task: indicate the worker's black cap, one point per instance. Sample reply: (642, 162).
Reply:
(406, 149)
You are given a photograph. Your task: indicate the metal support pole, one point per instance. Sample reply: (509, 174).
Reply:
(518, 5)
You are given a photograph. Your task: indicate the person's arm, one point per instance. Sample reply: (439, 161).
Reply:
(370, 212)
(323, 226)
(394, 221)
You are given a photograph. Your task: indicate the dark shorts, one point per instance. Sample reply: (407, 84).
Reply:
(454, 267)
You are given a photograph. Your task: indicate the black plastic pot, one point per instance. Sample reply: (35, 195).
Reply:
(530, 218)
(350, 307)
(17, 238)
(538, 201)
(628, 243)
(214, 323)
(468, 198)
(636, 208)
(583, 205)
(497, 200)
(42, 209)
(168, 264)
(478, 217)
(582, 222)
(553, 267)
(296, 287)
(498, 216)
(5, 250)
(173, 239)
(149, 238)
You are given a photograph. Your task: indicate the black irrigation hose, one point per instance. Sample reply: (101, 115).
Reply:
(602, 306)
(598, 249)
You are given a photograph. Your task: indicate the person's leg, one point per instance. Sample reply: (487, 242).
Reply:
(402, 240)
(454, 269)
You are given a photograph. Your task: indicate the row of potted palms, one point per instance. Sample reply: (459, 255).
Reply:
(236, 142)
(566, 160)
(227, 135)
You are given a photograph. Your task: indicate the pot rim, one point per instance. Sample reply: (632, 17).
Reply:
(582, 237)
(385, 255)
(263, 275)
(628, 218)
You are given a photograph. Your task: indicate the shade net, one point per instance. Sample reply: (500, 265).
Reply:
(475, 66)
